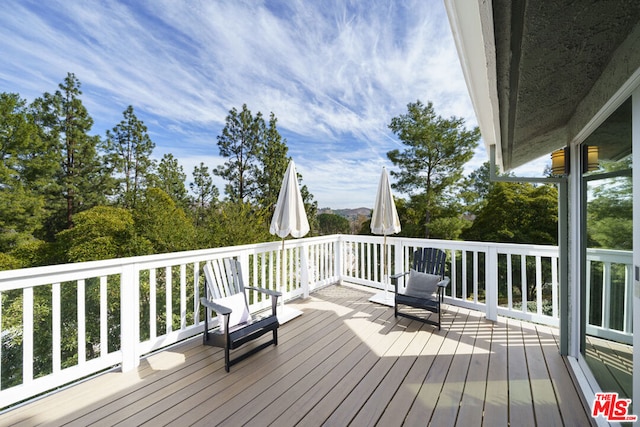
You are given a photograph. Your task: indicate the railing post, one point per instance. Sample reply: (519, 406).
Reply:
(398, 259)
(304, 269)
(491, 283)
(338, 267)
(129, 306)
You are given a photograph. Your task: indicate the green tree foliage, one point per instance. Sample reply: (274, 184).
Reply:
(257, 161)
(310, 207)
(272, 165)
(240, 143)
(431, 165)
(65, 125)
(26, 170)
(102, 233)
(170, 178)
(163, 223)
(475, 188)
(517, 213)
(129, 149)
(60, 187)
(206, 194)
(235, 223)
(333, 224)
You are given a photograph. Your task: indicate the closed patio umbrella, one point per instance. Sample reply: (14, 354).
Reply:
(289, 218)
(384, 221)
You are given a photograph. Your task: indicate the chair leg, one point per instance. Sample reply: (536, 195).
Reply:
(226, 359)
(275, 337)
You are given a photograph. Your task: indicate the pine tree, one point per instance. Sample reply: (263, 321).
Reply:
(240, 143)
(206, 194)
(432, 163)
(130, 147)
(81, 179)
(26, 170)
(273, 164)
(170, 178)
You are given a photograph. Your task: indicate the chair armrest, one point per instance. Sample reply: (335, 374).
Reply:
(274, 294)
(220, 309)
(398, 275)
(444, 282)
(394, 280)
(265, 291)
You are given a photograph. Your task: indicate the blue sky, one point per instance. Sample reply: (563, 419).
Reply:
(333, 72)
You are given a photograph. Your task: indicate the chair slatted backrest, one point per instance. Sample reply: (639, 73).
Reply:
(223, 277)
(429, 260)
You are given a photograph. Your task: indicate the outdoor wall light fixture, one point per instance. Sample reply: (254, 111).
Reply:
(590, 161)
(560, 161)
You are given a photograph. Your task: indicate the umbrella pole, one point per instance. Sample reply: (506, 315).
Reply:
(384, 267)
(282, 277)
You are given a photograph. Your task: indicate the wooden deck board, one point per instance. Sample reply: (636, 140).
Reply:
(569, 401)
(544, 401)
(472, 402)
(496, 408)
(345, 361)
(520, 398)
(427, 397)
(446, 411)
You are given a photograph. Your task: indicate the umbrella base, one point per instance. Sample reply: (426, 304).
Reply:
(286, 314)
(384, 298)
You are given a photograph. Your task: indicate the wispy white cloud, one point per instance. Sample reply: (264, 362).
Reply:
(333, 72)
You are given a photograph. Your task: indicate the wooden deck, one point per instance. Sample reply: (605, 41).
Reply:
(345, 361)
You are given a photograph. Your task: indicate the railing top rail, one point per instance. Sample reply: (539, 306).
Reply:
(610, 255)
(35, 276)
(13, 279)
(472, 245)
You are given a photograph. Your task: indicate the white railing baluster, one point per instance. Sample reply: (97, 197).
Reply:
(463, 285)
(538, 284)
(196, 293)
(509, 281)
(183, 296)
(606, 295)
(153, 309)
(524, 285)
(475, 277)
(27, 335)
(82, 333)
(554, 286)
(454, 272)
(168, 300)
(56, 328)
(104, 335)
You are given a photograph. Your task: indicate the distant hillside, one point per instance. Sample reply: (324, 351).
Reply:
(356, 216)
(350, 214)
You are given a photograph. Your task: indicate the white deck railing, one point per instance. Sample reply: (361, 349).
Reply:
(131, 306)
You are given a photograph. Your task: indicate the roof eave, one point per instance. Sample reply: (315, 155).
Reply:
(472, 27)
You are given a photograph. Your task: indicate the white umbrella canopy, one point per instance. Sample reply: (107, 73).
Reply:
(385, 217)
(384, 221)
(289, 218)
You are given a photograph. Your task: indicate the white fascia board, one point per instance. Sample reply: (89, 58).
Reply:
(471, 23)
